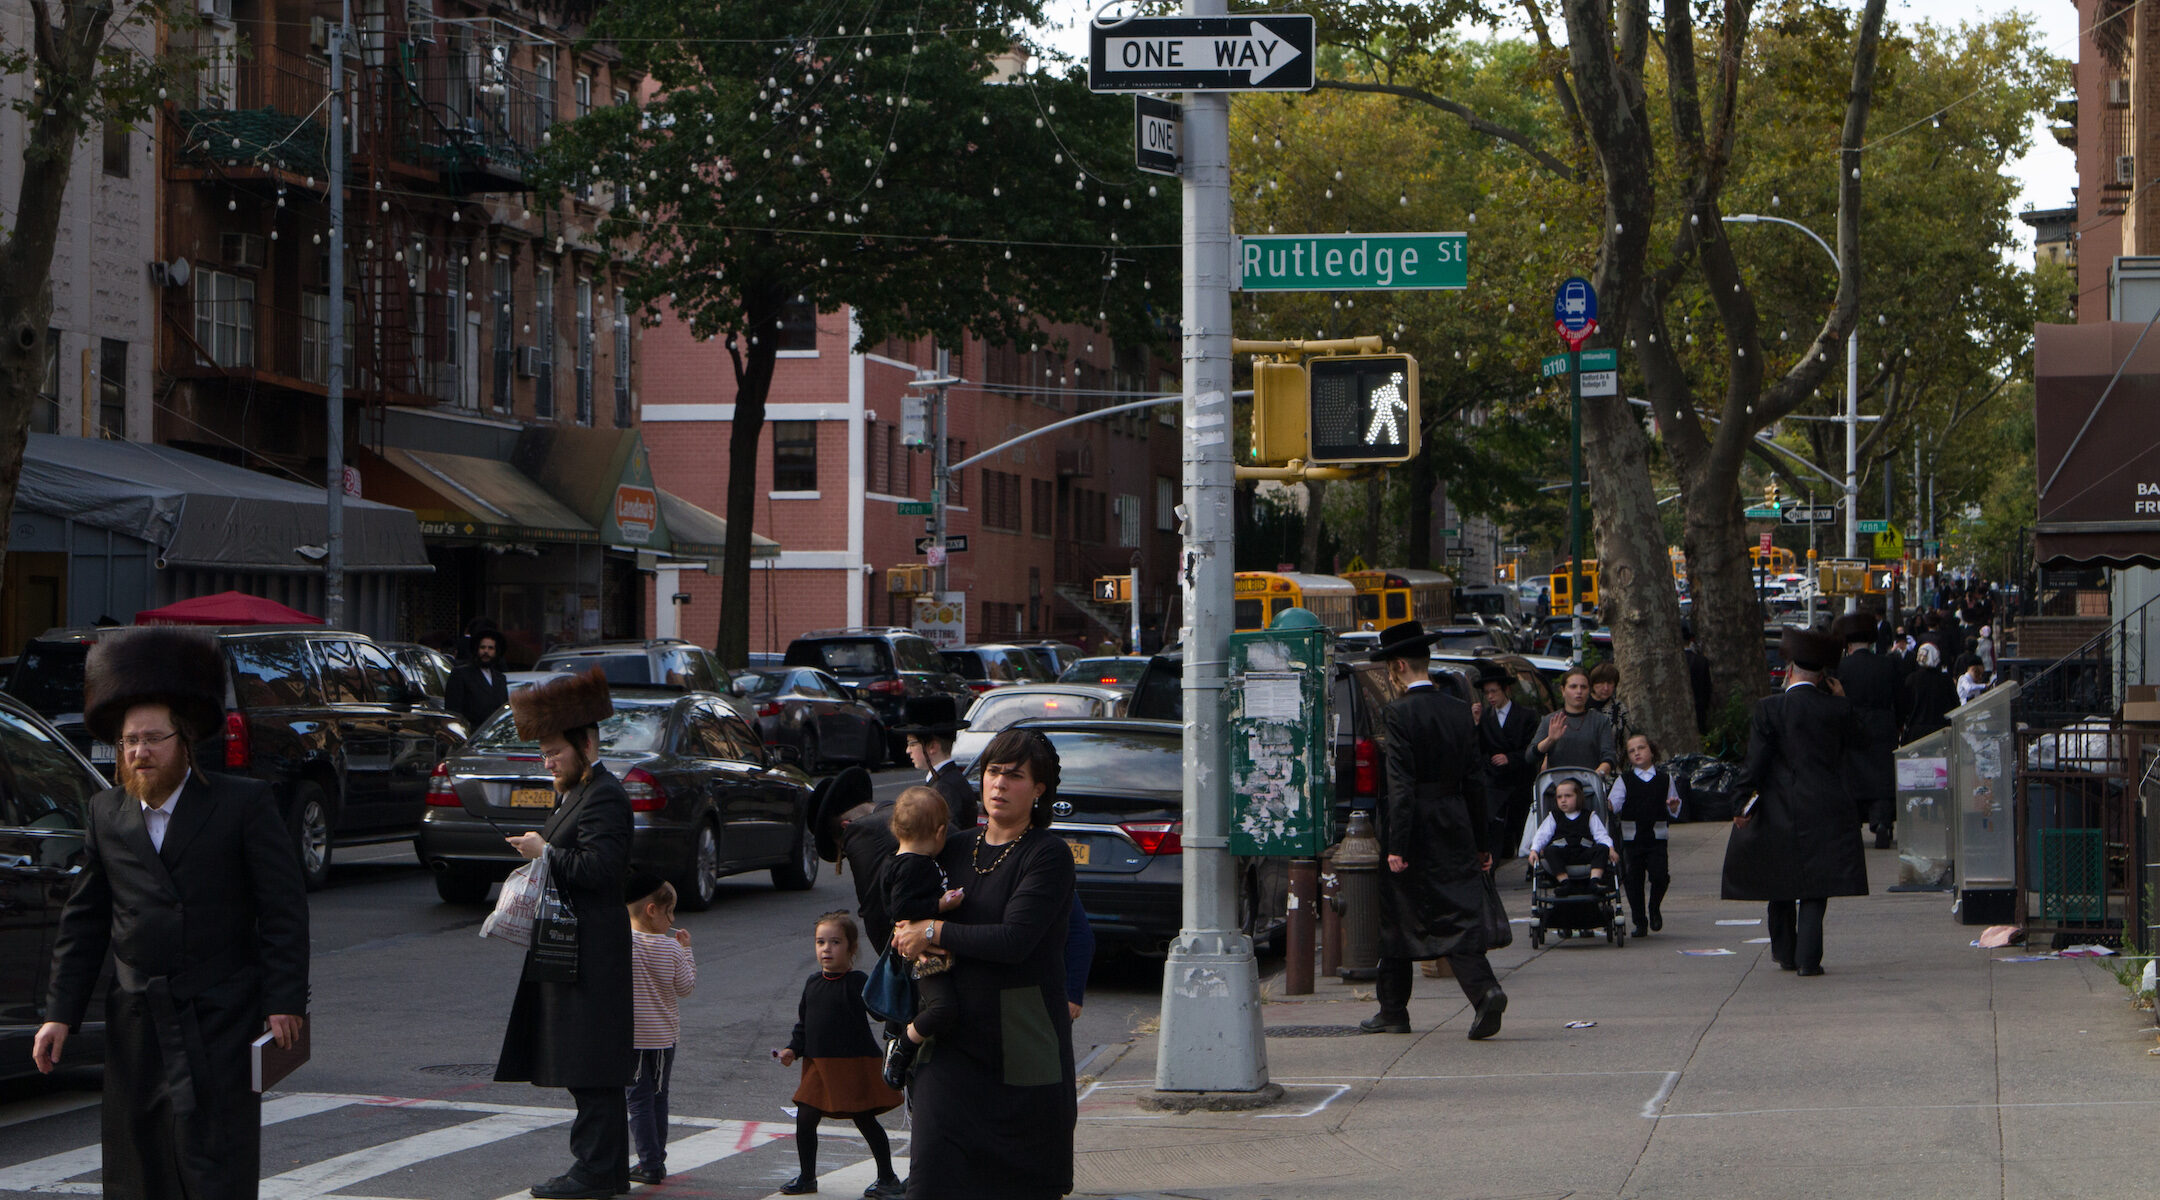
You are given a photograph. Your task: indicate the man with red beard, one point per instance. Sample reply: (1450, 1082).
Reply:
(190, 880)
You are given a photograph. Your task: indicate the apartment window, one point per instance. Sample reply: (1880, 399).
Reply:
(1166, 501)
(544, 84)
(1128, 514)
(225, 318)
(45, 417)
(794, 456)
(1044, 507)
(544, 342)
(112, 387)
(881, 452)
(622, 190)
(453, 386)
(416, 262)
(584, 352)
(1089, 523)
(505, 340)
(116, 149)
(1001, 500)
(622, 357)
(584, 93)
(798, 325)
(315, 337)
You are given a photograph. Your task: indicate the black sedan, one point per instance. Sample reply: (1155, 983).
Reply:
(805, 708)
(707, 798)
(45, 790)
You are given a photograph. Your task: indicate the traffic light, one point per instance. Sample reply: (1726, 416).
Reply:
(1279, 421)
(1363, 408)
(1770, 494)
(1113, 589)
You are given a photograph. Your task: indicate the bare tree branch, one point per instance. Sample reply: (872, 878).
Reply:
(1512, 137)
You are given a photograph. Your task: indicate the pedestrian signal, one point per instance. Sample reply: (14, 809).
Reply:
(1363, 408)
(1113, 589)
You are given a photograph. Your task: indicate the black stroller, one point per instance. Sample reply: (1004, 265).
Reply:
(1575, 905)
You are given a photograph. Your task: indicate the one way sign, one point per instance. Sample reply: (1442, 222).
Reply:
(1263, 53)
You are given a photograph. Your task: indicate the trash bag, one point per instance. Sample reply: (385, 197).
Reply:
(1707, 786)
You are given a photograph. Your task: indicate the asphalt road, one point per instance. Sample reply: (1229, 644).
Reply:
(409, 1007)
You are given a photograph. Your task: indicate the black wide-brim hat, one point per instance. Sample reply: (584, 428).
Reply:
(1854, 627)
(834, 797)
(1495, 673)
(1810, 650)
(1403, 639)
(930, 714)
(154, 664)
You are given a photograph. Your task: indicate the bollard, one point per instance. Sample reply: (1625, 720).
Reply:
(1357, 868)
(1298, 938)
(1330, 916)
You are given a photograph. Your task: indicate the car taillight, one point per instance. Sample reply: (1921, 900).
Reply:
(1366, 778)
(770, 708)
(887, 687)
(1156, 837)
(441, 792)
(979, 686)
(236, 742)
(645, 792)
(1107, 679)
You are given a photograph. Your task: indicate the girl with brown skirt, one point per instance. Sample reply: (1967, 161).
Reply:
(843, 1073)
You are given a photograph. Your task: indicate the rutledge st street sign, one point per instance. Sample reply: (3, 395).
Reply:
(1347, 262)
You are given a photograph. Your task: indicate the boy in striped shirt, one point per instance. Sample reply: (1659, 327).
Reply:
(662, 970)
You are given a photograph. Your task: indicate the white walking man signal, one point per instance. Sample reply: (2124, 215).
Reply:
(1387, 400)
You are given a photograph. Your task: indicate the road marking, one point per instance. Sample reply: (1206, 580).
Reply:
(331, 1174)
(45, 1174)
(847, 1180)
(1901, 1107)
(1332, 1097)
(1657, 1099)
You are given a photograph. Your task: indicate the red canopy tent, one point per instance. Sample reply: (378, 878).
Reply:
(225, 608)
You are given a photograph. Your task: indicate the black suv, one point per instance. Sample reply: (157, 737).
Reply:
(661, 662)
(882, 666)
(325, 717)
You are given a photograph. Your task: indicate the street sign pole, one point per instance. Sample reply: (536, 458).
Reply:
(940, 479)
(1210, 1038)
(1574, 502)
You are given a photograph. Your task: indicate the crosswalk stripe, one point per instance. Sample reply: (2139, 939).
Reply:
(331, 1174)
(45, 1174)
(724, 1140)
(852, 1178)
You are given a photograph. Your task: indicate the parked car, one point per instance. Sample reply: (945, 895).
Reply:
(883, 666)
(660, 662)
(764, 660)
(993, 665)
(1560, 644)
(707, 799)
(1054, 657)
(426, 669)
(1469, 638)
(1033, 701)
(325, 717)
(45, 790)
(1118, 671)
(807, 709)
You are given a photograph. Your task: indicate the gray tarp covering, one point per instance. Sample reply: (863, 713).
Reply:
(203, 513)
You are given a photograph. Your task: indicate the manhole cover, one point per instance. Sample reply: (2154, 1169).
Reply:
(1307, 1031)
(462, 1070)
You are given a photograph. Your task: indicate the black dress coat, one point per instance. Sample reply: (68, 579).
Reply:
(867, 845)
(1930, 694)
(208, 937)
(1507, 787)
(1433, 817)
(1871, 687)
(994, 1106)
(961, 797)
(470, 693)
(579, 1034)
(1800, 841)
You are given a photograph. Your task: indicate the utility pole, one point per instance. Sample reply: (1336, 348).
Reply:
(940, 475)
(334, 414)
(1211, 1038)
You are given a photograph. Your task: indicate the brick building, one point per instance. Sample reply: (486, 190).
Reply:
(1042, 520)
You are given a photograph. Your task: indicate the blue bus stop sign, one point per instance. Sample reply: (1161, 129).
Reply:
(1574, 306)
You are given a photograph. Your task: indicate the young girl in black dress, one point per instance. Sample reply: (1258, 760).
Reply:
(842, 1070)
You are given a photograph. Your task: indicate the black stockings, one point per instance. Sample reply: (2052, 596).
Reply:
(806, 1123)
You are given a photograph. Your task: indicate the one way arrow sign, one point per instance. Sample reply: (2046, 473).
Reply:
(1271, 53)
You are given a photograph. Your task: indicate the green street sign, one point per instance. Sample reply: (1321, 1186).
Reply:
(1341, 262)
(1451, 531)
(1770, 513)
(1552, 365)
(915, 508)
(1872, 527)
(1601, 360)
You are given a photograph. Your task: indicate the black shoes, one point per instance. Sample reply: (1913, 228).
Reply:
(801, 1185)
(1639, 931)
(1383, 1023)
(570, 1187)
(1657, 921)
(899, 1056)
(644, 1174)
(1807, 971)
(887, 1188)
(1488, 1015)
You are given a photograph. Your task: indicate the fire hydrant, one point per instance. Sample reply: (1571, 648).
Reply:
(1356, 866)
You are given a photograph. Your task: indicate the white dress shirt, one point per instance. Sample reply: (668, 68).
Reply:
(158, 817)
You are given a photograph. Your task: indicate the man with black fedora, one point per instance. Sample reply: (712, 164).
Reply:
(929, 723)
(1509, 732)
(191, 881)
(1432, 826)
(1795, 844)
(1870, 682)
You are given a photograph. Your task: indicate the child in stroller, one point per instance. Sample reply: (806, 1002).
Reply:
(1573, 861)
(1571, 836)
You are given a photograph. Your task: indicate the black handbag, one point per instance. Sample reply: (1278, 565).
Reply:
(554, 955)
(1499, 935)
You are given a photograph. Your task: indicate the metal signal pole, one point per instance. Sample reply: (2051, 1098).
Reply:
(334, 414)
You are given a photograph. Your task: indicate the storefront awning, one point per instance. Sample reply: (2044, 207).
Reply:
(201, 512)
(482, 499)
(2097, 445)
(697, 533)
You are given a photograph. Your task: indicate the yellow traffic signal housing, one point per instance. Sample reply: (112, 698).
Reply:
(1361, 408)
(910, 579)
(1279, 422)
(1113, 589)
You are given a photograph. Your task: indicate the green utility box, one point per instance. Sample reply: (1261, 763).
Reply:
(1282, 782)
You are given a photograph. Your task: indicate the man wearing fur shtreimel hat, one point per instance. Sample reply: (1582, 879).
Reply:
(192, 883)
(577, 1035)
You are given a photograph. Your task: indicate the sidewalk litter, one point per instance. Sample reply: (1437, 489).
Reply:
(1705, 953)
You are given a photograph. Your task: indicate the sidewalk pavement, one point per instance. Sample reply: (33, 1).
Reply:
(1917, 1066)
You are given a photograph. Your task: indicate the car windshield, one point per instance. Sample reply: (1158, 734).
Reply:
(1116, 761)
(995, 712)
(636, 728)
(620, 668)
(757, 683)
(1104, 670)
(1464, 639)
(965, 663)
(49, 677)
(854, 659)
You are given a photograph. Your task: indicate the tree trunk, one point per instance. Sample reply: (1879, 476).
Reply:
(1308, 556)
(1728, 619)
(762, 303)
(1425, 496)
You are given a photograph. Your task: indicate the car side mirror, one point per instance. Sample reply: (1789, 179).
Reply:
(791, 755)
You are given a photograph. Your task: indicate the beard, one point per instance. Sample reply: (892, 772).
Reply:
(152, 785)
(573, 771)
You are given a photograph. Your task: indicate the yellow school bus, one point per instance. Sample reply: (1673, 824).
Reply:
(1562, 600)
(1261, 595)
(1777, 560)
(1385, 597)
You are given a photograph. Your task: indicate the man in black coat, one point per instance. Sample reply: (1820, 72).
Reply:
(477, 688)
(849, 825)
(928, 724)
(1508, 732)
(576, 1034)
(1795, 844)
(1870, 682)
(191, 882)
(1432, 831)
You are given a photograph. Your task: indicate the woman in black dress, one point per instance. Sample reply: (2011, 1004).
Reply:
(994, 1105)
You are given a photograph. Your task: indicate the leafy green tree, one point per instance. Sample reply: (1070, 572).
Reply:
(892, 164)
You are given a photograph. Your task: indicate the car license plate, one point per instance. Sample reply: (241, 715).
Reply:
(102, 752)
(532, 797)
(1079, 851)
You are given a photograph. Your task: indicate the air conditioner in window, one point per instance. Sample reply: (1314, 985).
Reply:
(528, 361)
(318, 34)
(221, 9)
(420, 19)
(242, 251)
(2126, 169)
(2118, 93)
